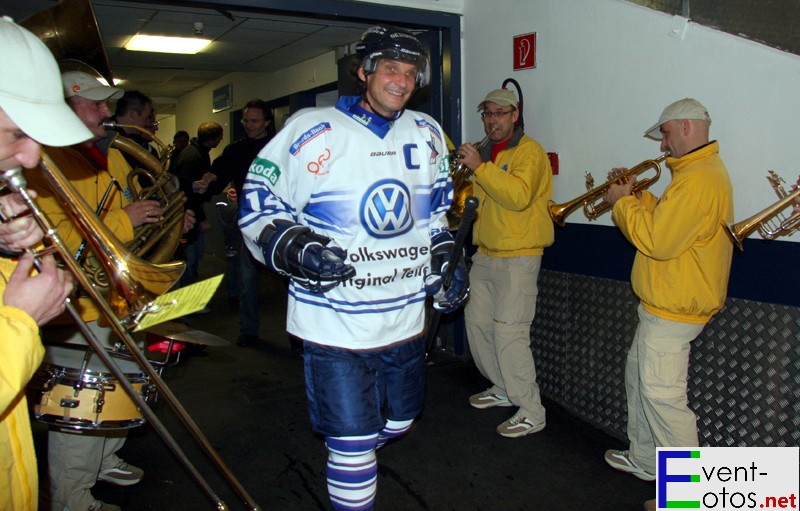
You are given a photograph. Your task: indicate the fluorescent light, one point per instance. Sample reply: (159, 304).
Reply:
(163, 44)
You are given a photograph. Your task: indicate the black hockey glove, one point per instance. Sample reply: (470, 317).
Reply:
(447, 297)
(309, 258)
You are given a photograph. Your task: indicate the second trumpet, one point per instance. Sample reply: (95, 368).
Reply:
(592, 200)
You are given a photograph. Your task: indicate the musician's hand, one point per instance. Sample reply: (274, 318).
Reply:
(199, 186)
(616, 171)
(24, 232)
(42, 296)
(617, 191)
(469, 156)
(188, 220)
(143, 212)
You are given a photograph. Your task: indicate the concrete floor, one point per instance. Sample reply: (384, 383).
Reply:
(250, 403)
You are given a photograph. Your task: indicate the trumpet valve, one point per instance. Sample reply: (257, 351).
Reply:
(589, 181)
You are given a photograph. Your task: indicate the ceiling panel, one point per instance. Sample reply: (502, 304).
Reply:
(253, 42)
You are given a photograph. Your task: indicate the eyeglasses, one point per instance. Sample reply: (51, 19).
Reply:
(500, 113)
(252, 121)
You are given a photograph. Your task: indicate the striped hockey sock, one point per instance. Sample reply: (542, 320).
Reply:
(393, 429)
(352, 472)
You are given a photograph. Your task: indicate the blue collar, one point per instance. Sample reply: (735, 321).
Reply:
(351, 107)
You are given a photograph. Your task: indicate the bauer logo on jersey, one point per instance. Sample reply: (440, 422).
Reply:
(386, 209)
(265, 169)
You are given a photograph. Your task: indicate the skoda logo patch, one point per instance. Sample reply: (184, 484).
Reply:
(386, 209)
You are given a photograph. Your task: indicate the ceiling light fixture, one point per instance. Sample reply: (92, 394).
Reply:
(163, 44)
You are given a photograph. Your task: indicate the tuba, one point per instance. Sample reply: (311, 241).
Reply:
(157, 242)
(592, 200)
(770, 222)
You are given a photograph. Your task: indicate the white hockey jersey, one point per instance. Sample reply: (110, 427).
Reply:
(379, 190)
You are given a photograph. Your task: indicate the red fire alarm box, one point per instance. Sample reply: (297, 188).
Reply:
(525, 51)
(553, 162)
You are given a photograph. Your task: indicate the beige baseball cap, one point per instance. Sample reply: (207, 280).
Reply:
(686, 108)
(78, 83)
(30, 89)
(502, 97)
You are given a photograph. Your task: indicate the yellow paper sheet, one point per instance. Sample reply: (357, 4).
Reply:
(180, 302)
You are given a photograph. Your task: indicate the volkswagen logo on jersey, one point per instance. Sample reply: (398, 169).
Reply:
(386, 209)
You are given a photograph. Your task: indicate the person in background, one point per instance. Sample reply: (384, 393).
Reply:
(243, 270)
(680, 274)
(513, 183)
(136, 109)
(192, 168)
(179, 141)
(32, 112)
(328, 194)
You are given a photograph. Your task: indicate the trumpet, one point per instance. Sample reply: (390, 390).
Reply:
(592, 200)
(771, 221)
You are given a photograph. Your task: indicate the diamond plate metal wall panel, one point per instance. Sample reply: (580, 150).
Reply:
(744, 375)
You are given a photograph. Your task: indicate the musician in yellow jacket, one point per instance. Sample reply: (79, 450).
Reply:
(32, 111)
(513, 182)
(680, 274)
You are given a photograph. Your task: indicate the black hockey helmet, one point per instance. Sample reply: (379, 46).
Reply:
(388, 43)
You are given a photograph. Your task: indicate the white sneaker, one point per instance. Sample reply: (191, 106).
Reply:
(621, 460)
(488, 399)
(123, 474)
(519, 425)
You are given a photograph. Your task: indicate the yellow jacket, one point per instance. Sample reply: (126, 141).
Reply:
(21, 352)
(91, 184)
(512, 218)
(683, 257)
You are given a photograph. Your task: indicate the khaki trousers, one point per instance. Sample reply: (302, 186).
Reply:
(498, 316)
(656, 374)
(75, 458)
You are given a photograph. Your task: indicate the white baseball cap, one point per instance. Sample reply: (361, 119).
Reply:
(78, 83)
(686, 108)
(30, 89)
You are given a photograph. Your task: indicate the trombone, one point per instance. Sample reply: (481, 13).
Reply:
(770, 221)
(592, 200)
(134, 282)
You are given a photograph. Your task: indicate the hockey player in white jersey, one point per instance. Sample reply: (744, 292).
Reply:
(350, 202)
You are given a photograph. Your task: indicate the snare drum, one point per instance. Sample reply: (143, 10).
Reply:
(65, 396)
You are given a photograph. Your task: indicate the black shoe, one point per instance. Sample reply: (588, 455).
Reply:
(247, 340)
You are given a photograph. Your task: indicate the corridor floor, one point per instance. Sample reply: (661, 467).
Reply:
(250, 403)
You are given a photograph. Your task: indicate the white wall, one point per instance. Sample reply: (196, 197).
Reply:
(605, 71)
